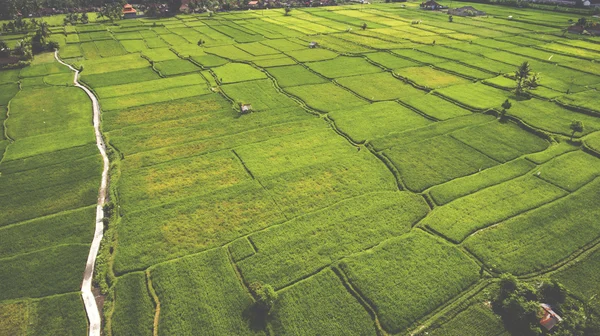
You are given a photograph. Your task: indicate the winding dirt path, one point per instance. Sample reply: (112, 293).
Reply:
(89, 300)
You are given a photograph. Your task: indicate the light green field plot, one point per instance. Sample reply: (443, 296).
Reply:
(435, 106)
(407, 269)
(175, 67)
(379, 86)
(237, 72)
(467, 185)
(216, 311)
(430, 78)
(476, 96)
(300, 309)
(588, 100)
(461, 217)
(159, 54)
(390, 61)
(134, 46)
(241, 249)
(312, 55)
(60, 314)
(118, 63)
(582, 278)
(134, 89)
(571, 171)
(375, 120)
(7, 92)
(343, 66)
(501, 142)
(134, 309)
(421, 165)
(257, 49)
(151, 97)
(119, 77)
(593, 142)
(464, 70)
(261, 94)
(294, 75)
(230, 52)
(9, 76)
(551, 117)
(43, 70)
(209, 60)
(518, 244)
(335, 231)
(284, 44)
(326, 97)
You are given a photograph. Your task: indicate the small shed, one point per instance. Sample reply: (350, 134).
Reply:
(245, 108)
(129, 12)
(431, 5)
(313, 45)
(550, 318)
(253, 3)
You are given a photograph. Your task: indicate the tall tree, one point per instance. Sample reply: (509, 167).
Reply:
(525, 78)
(576, 126)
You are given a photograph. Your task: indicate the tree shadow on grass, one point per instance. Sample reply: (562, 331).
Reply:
(257, 316)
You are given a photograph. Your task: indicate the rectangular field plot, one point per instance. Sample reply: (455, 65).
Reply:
(462, 217)
(467, 185)
(175, 67)
(376, 120)
(379, 86)
(435, 106)
(326, 97)
(294, 75)
(501, 142)
(237, 72)
(118, 63)
(408, 270)
(477, 320)
(134, 310)
(261, 94)
(390, 61)
(430, 78)
(571, 171)
(343, 66)
(519, 245)
(217, 310)
(434, 161)
(119, 77)
(475, 96)
(312, 55)
(300, 247)
(133, 89)
(583, 278)
(301, 309)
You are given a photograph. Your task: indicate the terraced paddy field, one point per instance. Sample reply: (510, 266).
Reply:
(372, 185)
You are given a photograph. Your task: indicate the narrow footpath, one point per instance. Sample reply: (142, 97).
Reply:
(89, 301)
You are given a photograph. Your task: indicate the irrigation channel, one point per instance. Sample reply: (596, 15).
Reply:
(89, 300)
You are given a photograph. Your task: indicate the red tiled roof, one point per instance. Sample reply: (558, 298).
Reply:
(128, 9)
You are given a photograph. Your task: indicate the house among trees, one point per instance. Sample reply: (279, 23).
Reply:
(431, 5)
(465, 11)
(129, 12)
(253, 4)
(550, 318)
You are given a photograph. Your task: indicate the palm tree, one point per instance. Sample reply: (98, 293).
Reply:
(521, 76)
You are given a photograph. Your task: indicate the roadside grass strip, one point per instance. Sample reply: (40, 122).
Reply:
(119, 77)
(477, 320)
(301, 309)
(343, 66)
(133, 307)
(463, 216)
(326, 97)
(434, 161)
(72, 227)
(54, 270)
(430, 78)
(460, 187)
(302, 246)
(216, 310)
(368, 122)
(519, 245)
(435, 106)
(408, 269)
(501, 141)
(379, 86)
(294, 75)
(175, 67)
(59, 314)
(551, 117)
(237, 72)
(571, 171)
(583, 278)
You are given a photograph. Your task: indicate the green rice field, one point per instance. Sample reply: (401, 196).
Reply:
(376, 182)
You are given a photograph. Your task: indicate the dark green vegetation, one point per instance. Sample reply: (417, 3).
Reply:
(380, 184)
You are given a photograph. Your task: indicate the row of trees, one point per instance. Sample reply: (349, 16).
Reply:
(29, 45)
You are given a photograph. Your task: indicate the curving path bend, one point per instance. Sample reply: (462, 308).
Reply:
(89, 300)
